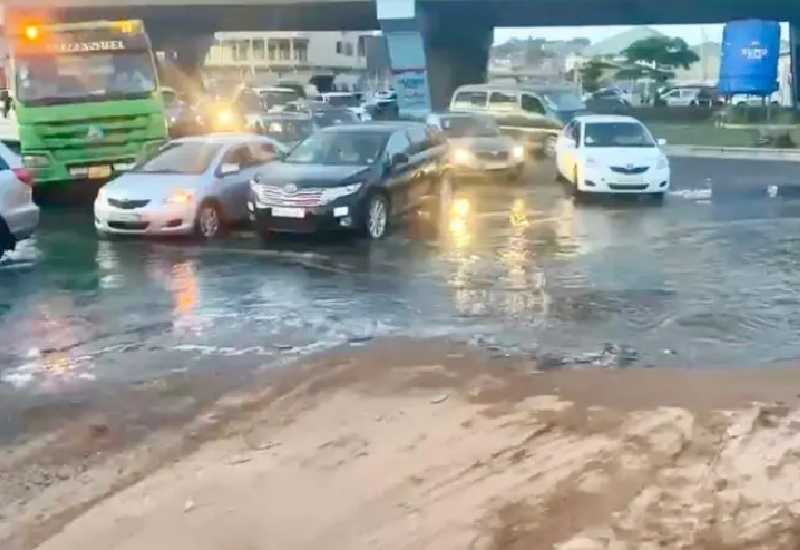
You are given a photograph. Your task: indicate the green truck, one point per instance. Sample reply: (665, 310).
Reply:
(87, 99)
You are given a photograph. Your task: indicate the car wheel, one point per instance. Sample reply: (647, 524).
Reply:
(377, 218)
(209, 223)
(7, 240)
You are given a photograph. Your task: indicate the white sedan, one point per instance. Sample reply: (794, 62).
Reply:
(611, 154)
(192, 185)
(19, 216)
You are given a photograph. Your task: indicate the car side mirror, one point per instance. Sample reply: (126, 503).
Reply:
(662, 141)
(399, 158)
(229, 168)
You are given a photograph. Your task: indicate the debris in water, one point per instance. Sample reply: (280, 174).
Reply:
(356, 340)
(240, 460)
(284, 347)
(188, 506)
(772, 191)
(439, 399)
(668, 351)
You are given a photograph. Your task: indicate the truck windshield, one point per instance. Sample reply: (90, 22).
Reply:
(69, 78)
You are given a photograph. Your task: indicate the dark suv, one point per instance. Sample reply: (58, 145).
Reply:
(349, 177)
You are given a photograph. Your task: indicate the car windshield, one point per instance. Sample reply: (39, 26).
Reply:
(47, 80)
(278, 97)
(181, 157)
(359, 148)
(462, 127)
(343, 101)
(565, 100)
(288, 131)
(617, 134)
(332, 117)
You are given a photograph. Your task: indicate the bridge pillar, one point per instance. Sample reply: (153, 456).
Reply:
(794, 41)
(432, 50)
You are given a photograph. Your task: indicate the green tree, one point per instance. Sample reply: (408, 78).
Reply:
(592, 72)
(663, 51)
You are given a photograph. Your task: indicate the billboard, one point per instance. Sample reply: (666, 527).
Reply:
(750, 51)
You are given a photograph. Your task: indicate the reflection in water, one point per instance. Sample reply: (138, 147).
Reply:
(184, 287)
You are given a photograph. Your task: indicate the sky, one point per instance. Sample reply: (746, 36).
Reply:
(692, 34)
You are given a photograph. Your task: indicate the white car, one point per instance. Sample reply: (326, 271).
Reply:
(19, 215)
(192, 185)
(611, 154)
(682, 97)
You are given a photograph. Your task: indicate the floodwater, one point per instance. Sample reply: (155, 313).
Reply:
(708, 279)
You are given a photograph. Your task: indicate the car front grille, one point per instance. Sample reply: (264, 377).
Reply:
(633, 170)
(128, 226)
(627, 187)
(272, 195)
(127, 204)
(492, 155)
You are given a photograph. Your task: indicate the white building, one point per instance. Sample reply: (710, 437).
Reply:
(266, 57)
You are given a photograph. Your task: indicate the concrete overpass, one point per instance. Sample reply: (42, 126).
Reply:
(449, 38)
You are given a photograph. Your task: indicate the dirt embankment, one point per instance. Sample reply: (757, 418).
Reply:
(434, 446)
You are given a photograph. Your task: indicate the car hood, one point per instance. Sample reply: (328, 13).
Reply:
(151, 186)
(499, 143)
(622, 156)
(311, 175)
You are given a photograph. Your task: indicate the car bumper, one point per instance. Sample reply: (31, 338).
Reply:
(504, 171)
(605, 181)
(22, 222)
(342, 216)
(169, 220)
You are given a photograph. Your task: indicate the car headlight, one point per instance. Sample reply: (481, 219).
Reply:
(462, 156)
(101, 194)
(35, 161)
(276, 127)
(180, 197)
(461, 208)
(662, 164)
(225, 116)
(518, 152)
(332, 193)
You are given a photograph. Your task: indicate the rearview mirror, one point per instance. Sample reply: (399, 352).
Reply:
(662, 141)
(229, 168)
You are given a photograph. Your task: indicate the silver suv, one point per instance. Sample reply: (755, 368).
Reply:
(19, 216)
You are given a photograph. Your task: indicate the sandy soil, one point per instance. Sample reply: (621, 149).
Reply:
(434, 445)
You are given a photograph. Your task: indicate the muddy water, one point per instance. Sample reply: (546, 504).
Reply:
(706, 279)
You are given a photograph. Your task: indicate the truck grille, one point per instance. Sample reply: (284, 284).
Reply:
(273, 195)
(93, 133)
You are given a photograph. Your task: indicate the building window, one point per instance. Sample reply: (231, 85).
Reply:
(285, 50)
(339, 47)
(348, 49)
(273, 51)
(362, 46)
(301, 52)
(241, 50)
(258, 50)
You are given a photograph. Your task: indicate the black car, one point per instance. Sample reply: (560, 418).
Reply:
(289, 128)
(356, 176)
(322, 114)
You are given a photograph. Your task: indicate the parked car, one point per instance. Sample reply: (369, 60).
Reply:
(357, 176)
(611, 154)
(531, 115)
(192, 185)
(608, 101)
(750, 100)
(19, 215)
(681, 97)
(477, 148)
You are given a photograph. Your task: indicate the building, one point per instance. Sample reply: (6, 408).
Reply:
(263, 58)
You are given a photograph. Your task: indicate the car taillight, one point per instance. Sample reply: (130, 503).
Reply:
(24, 175)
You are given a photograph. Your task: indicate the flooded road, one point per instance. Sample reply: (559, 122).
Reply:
(707, 279)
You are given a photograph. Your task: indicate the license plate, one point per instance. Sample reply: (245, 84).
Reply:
(99, 172)
(125, 217)
(495, 166)
(298, 213)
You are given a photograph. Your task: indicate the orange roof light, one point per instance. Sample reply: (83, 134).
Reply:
(32, 32)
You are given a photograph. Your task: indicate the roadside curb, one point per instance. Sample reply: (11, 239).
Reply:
(733, 153)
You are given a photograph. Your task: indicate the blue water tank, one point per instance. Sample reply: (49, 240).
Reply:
(750, 51)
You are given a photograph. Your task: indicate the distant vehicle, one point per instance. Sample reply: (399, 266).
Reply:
(287, 127)
(477, 148)
(349, 177)
(90, 107)
(608, 101)
(348, 100)
(197, 185)
(19, 216)
(750, 100)
(323, 114)
(276, 98)
(611, 154)
(296, 87)
(681, 97)
(182, 120)
(532, 115)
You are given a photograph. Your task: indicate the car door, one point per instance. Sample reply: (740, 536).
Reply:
(673, 98)
(399, 172)
(234, 172)
(424, 162)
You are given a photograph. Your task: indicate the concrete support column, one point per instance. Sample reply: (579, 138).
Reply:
(433, 49)
(794, 41)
